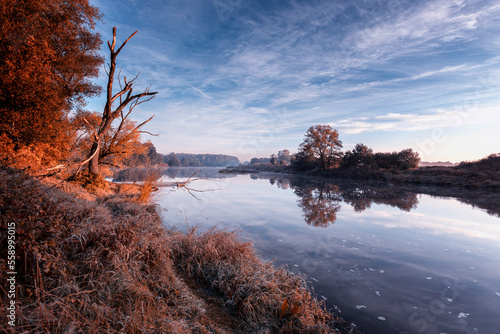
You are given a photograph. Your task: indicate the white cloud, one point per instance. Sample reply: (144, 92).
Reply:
(415, 122)
(437, 21)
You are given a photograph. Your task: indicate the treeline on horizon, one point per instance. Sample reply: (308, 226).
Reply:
(361, 156)
(321, 151)
(150, 157)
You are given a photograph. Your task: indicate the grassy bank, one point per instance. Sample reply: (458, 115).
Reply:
(105, 264)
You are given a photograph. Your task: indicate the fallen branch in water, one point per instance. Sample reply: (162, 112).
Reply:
(189, 180)
(185, 185)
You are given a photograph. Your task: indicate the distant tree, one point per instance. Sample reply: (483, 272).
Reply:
(259, 161)
(173, 161)
(304, 161)
(284, 157)
(386, 160)
(274, 160)
(48, 55)
(155, 158)
(322, 142)
(402, 160)
(193, 161)
(184, 162)
(490, 163)
(124, 97)
(208, 160)
(407, 159)
(360, 157)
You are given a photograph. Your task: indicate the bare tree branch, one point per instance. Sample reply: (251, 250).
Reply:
(126, 98)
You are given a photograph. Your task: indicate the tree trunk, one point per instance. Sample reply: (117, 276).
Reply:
(94, 162)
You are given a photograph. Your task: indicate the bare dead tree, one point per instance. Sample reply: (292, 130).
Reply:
(125, 98)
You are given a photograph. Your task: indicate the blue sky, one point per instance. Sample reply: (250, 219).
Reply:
(248, 78)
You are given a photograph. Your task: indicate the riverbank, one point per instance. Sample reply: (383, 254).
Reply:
(100, 260)
(483, 174)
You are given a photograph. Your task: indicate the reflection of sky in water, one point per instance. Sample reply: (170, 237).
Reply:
(434, 269)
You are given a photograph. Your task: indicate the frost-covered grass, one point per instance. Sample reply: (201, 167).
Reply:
(105, 264)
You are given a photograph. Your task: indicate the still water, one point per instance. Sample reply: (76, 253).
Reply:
(390, 259)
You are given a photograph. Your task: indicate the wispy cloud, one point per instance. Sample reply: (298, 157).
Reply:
(416, 122)
(356, 64)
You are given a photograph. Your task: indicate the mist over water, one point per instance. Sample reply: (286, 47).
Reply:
(391, 259)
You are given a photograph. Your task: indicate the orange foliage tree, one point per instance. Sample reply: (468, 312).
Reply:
(322, 142)
(48, 52)
(118, 144)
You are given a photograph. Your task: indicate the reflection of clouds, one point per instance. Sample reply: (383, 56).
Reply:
(438, 225)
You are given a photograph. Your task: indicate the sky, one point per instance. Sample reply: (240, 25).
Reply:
(249, 77)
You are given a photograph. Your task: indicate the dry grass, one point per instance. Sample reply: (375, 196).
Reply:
(268, 300)
(109, 266)
(150, 186)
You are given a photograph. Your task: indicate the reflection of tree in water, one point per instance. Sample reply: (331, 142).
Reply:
(320, 204)
(281, 183)
(204, 172)
(320, 201)
(362, 198)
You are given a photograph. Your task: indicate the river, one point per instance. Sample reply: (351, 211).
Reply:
(390, 259)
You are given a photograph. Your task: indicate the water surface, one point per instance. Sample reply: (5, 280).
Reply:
(390, 259)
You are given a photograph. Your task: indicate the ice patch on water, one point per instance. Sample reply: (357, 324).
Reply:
(497, 293)
(315, 280)
(472, 268)
(381, 271)
(428, 277)
(324, 298)
(381, 318)
(377, 293)
(295, 265)
(359, 307)
(449, 300)
(463, 315)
